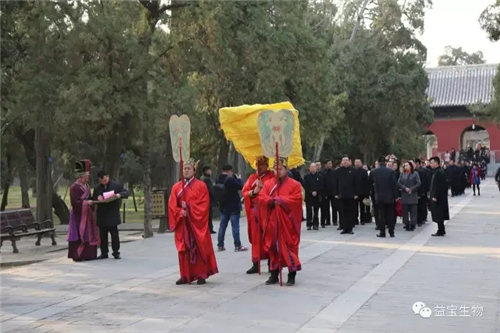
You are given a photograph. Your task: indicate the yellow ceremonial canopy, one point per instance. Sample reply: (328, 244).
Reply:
(240, 127)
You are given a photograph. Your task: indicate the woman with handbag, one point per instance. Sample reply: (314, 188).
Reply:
(409, 183)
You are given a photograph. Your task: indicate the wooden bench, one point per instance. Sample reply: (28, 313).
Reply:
(19, 223)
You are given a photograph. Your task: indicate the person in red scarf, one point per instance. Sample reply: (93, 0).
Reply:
(83, 233)
(281, 201)
(188, 209)
(250, 193)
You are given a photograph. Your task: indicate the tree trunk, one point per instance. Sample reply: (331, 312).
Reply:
(28, 140)
(358, 21)
(25, 187)
(171, 178)
(43, 171)
(112, 163)
(223, 151)
(318, 149)
(6, 182)
(148, 228)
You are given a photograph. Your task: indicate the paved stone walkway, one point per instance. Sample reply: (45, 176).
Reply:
(355, 283)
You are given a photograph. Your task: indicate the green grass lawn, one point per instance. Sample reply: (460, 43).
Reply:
(131, 216)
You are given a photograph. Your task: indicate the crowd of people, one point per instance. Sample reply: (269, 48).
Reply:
(343, 196)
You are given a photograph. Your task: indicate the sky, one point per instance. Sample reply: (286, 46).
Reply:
(455, 23)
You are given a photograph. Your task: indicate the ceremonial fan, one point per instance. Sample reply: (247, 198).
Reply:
(239, 125)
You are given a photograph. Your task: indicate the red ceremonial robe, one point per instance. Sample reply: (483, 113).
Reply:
(254, 222)
(283, 217)
(192, 234)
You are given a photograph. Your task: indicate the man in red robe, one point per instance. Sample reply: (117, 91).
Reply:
(250, 193)
(188, 209)
(282, 204)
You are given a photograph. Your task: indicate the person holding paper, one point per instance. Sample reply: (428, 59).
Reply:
(83, 234)
(109, 193)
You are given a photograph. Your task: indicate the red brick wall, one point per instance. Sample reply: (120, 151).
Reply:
(449, 132)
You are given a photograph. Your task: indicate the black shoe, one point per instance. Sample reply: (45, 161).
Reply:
(362, 223)
(308, 228)
(117, 256)
(419, 224)
(316, 228)
(339, 228)
(323, 226)
(180, 282)
(201, 281)
(406, 228)
(438, 234)
(391, 234)
(335, 223)
(291, 279)
(103, 256)
(343, 232)
(213, 232)
(377, 228)
(254, 269)
(273, 279)
(381, 235)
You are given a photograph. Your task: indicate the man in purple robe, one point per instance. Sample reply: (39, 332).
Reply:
(83, 234)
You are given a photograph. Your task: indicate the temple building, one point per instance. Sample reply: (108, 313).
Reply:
(453, 90)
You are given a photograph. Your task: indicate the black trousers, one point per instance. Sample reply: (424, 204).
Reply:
(312, 212)
(347, 214)
(387, 213)
(115, 240)
(210, 223)
(422, 209)
(327, 203)
(362, 211)
(441, 230)
(474, 186)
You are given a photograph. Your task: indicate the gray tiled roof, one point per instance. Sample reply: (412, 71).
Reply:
(461, 85)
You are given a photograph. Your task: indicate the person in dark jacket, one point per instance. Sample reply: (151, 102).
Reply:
(346, 192)
(313, 186)
(296, 176)
(328, 197)
(453, 175)
(438, 195)
(425, 176)
(207, 179)
(230, 208)
(363, 191)
(108, 213)
(386, 193)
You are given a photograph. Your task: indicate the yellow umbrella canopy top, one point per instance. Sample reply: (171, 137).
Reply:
(240, 127)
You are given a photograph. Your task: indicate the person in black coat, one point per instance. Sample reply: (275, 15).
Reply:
(438, 195)
(346, 192)
(108, 213)
(328, 197)
(425, 176)
(313, 186)
(207, 179)
(386, 193)
(363, 191)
